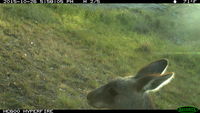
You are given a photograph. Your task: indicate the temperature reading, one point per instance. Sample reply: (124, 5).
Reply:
(91, 1)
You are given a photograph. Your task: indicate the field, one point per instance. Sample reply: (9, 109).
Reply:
(51, 56)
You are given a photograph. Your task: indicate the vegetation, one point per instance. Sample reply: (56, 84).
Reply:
(52, 55)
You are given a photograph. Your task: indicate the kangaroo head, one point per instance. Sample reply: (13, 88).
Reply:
(131, 92)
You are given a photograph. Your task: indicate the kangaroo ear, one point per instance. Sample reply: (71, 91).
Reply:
(157, 67)
(154, 83)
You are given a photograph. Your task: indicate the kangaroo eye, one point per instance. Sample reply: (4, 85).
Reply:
(113, 92)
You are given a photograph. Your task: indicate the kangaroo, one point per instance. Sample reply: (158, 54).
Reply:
(132, 92)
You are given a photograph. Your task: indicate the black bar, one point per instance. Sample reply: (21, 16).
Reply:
(87, 111)
(115, 111)
(99, 1)
(127, 1)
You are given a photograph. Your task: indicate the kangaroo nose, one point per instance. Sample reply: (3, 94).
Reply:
(89, 96)
(89, 99)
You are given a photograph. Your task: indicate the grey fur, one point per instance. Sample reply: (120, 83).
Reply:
(132, 92)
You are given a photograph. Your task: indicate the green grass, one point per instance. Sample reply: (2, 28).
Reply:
(52, 55)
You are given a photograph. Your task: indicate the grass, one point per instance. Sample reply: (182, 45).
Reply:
(52, 55)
